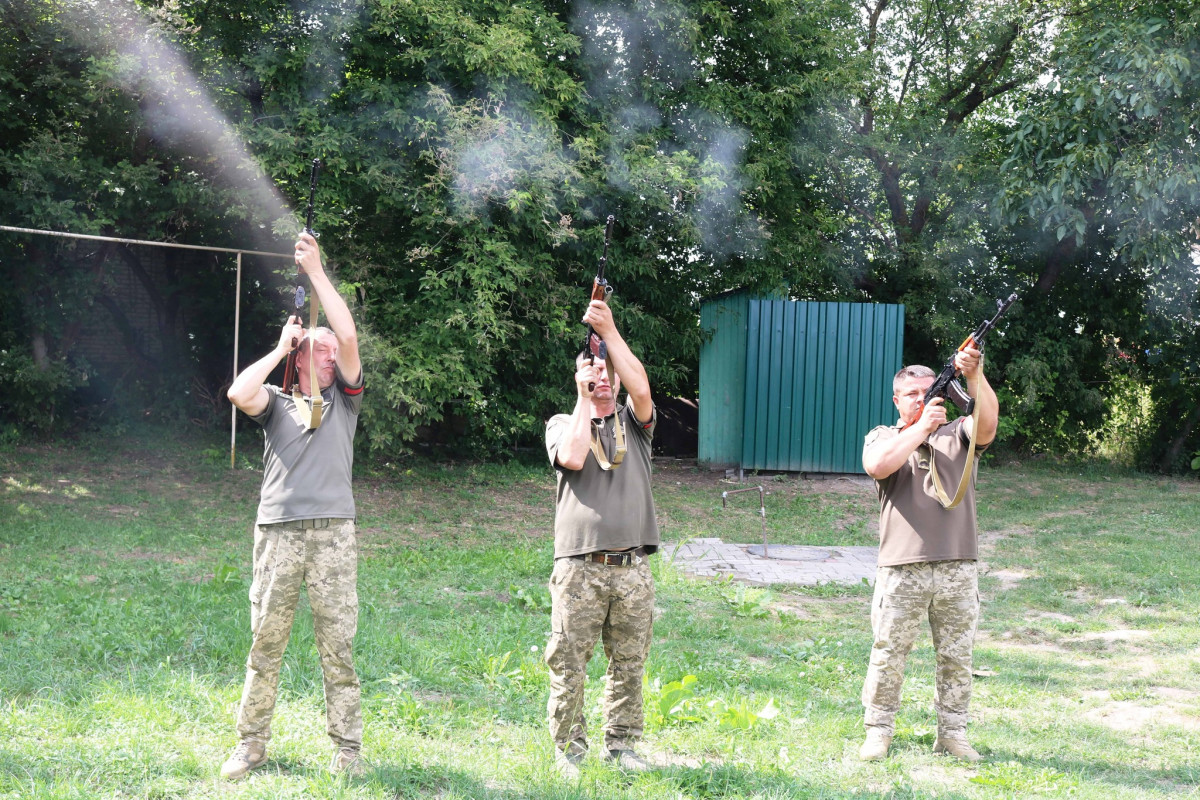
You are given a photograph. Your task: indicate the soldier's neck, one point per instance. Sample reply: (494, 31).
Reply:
(602, 410)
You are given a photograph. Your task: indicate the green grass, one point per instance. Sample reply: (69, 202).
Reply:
(124, 571)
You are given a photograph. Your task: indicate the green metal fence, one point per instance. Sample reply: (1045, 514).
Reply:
(794, 386)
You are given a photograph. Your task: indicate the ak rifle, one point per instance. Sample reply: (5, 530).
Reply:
(946, 385)
(600, 291)
(310, 410)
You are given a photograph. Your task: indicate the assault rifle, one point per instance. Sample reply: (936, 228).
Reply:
(600, 291)
(946, 385)
(291, 372)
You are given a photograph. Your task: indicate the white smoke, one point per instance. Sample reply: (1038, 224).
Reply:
(177, 107)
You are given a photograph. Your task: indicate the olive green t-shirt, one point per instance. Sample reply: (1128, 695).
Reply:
(306, 474)
(597, 510)
(913, 525)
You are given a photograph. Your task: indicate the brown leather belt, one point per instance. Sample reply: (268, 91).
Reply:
(616, 558)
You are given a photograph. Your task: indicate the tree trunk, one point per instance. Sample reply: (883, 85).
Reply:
(1176, 449)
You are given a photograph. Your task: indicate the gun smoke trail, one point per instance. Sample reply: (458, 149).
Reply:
(180, 110)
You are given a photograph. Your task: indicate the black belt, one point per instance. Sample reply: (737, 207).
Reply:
(615, 558)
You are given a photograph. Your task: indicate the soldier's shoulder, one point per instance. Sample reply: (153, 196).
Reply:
(878, 433)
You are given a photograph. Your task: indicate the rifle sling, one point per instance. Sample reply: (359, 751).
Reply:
(310, 409)
(598, 446)
(946, 501)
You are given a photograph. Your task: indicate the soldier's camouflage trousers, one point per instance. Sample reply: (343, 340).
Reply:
(945, 591)
(592, 601)
(322, 555)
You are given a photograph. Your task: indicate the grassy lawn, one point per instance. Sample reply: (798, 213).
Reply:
(124, 626)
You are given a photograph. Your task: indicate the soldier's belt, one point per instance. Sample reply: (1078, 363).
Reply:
(320, 522)
(619, 558)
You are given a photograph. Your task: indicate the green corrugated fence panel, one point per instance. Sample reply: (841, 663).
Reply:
(817, 378)
(722, 379)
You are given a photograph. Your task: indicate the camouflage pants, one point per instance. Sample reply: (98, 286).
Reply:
(945, 591)
(323, 555)
(592, 601)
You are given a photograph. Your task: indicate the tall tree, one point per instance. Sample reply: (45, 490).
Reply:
(1103, 173)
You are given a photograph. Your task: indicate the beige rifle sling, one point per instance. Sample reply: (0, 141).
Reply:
(943, 498)
(310, 410)
(598, 446)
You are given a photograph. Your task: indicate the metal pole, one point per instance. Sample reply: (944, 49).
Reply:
(762, 509)
(237, 313)
(237, 327)
(146, 242)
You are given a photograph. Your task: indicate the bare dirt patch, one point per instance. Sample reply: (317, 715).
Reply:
(988, 539)
(1120, 635)
(933, 774)
(1133, 715)
(818, 608)
(1008, 578)
(1023, 641)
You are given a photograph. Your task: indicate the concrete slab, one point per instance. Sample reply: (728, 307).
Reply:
(802, 565)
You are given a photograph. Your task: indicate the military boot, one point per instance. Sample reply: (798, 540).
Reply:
(246, 756)
(956, 744)
(875, 748)
(627, 759)
(347, 761)
(568, 759)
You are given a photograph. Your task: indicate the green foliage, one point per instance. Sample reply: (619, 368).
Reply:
(935, 154)
(35, 395)
(1024, 780)
(673, 703)
(1099, 171)
(472, 152)
(677, 703)
(739, 716)
(534, 599)
(747, 601)
(226, 574)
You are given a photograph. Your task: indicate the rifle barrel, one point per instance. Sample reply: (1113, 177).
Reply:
(312, 193)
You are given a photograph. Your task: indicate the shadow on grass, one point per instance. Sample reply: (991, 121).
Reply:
(537, 782)
(1096, 770)
(1049, 671)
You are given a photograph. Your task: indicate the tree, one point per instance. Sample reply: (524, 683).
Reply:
(474, 149)
(1102, 170)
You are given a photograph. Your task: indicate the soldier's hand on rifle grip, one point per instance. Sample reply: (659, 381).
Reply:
(969, 362)
(585, 380)
(933, 416)
(600, 317)
(308, 255)
(291, 334)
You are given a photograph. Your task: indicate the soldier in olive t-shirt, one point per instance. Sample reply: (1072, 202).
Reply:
(927, 553)
(304, 536)
(604, 530)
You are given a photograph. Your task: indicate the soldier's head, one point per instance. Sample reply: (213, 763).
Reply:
(324, 358)
(604, 391)
(908, 390)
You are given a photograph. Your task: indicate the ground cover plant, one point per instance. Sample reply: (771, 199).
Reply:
(124, 570)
